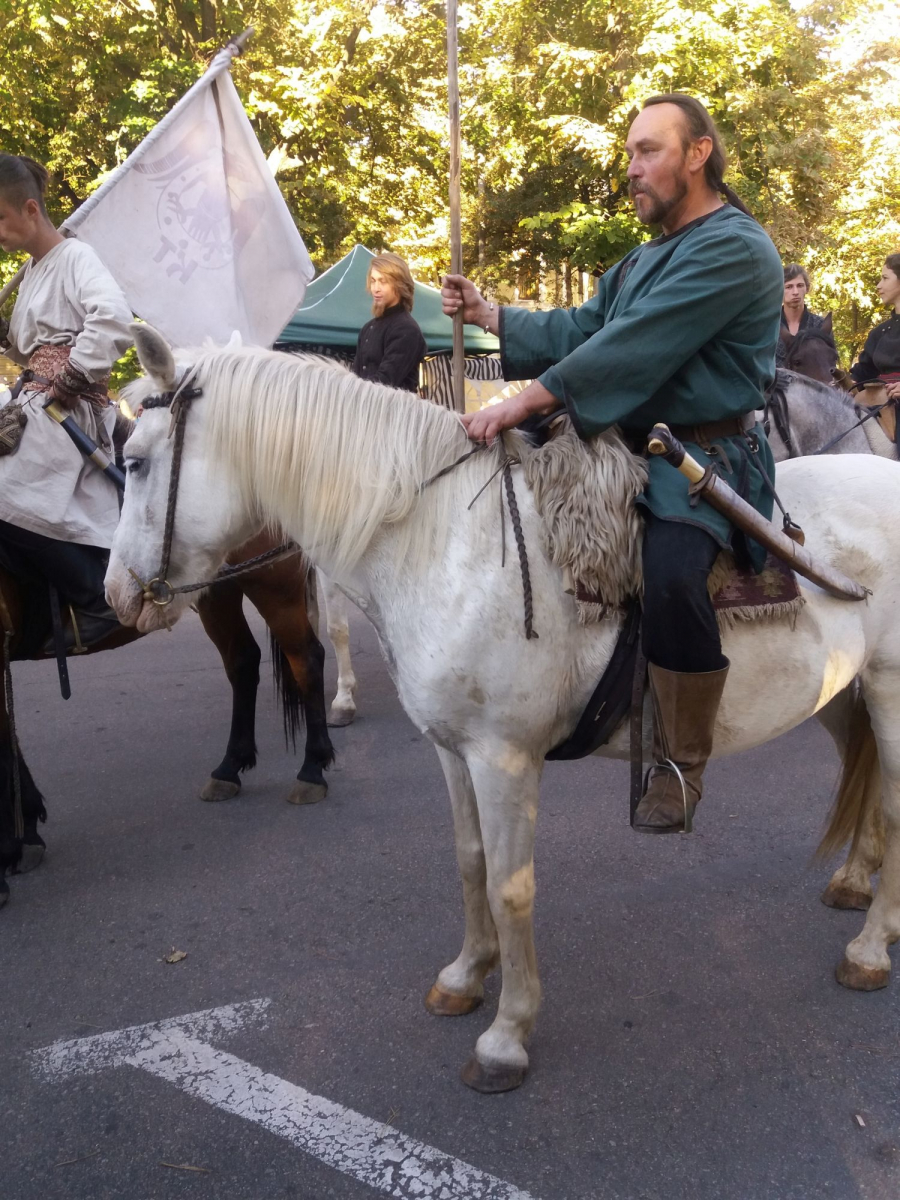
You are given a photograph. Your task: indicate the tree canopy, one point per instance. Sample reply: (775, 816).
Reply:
(350, 100)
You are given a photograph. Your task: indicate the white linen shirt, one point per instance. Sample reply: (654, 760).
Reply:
(67, 299)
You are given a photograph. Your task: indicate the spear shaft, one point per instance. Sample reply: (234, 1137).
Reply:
(456, 260)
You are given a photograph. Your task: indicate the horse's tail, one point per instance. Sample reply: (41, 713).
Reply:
(292, 707)
(857, 790)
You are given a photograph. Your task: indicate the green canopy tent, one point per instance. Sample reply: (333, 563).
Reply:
(337, 305)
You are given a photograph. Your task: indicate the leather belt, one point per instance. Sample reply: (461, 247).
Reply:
(702, 435)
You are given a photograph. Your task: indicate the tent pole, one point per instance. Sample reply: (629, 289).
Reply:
(456, 261)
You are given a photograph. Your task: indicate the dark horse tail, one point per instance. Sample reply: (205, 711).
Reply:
(293, 704)
(293, 710)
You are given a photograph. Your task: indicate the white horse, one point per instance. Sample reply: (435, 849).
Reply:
(805, 416)
(339, 464)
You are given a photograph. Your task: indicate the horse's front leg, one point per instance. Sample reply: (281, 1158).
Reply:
(343, 707)
(506, 791)
(460, 986)
(222, 613)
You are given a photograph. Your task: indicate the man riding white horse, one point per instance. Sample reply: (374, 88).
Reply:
(58, 513)
(683, 331)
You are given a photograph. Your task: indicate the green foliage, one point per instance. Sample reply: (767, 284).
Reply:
(350, 99)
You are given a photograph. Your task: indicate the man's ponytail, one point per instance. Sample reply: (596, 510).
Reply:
(733, 198)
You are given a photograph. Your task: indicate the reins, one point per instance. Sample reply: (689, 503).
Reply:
(161, 592)
(505, 470)
(867, 416)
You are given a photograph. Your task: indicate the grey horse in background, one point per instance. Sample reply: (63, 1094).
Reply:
(803, 416)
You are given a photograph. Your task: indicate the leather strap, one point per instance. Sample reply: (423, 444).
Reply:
(636, 727)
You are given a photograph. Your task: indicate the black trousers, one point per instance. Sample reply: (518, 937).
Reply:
(77, 572)
(680, 631)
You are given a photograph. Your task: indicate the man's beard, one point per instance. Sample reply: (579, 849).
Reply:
(659, 208)
(379, 307)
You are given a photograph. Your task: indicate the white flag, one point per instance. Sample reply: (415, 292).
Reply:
(193, 227)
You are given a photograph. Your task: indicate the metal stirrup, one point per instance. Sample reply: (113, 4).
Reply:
(666, 764)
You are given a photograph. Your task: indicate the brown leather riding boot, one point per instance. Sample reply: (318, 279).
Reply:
(684, 715)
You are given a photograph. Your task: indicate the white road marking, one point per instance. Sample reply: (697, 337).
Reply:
(367, 1150)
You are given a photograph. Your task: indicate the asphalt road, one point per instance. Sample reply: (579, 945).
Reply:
(692, 1041)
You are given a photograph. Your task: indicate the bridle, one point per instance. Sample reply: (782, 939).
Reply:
(158, 590)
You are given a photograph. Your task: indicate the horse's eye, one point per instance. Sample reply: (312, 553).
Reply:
(134, 466)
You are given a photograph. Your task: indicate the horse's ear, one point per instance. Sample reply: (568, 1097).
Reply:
(235, 341)
(155, 355)
(828, 325)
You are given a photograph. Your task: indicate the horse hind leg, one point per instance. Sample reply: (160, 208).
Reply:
(866, 965)
(846, 719)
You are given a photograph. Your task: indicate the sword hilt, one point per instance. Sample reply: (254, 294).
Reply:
(661, 441)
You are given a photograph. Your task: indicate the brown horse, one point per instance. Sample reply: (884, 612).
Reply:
(811, 352)
(283, 592)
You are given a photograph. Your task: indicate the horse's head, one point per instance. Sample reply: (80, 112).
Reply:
(812, 352)
(179, 518)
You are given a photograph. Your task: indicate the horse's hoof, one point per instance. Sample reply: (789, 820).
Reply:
(307, 793)
(862, 979)
(445, 1004)
(32, 856)
(490, 1079)
(220, 789)
(841, 896)
(339, 717)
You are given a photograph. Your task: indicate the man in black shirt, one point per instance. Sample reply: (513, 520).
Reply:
(391, 346)
(796, 318)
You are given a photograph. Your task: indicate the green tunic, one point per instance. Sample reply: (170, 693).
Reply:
(682, 330)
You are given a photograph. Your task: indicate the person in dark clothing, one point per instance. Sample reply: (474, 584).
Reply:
(880, 358)
(795, 316)
(390, 347)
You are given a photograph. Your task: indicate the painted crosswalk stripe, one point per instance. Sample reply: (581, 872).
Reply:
(178, 1051)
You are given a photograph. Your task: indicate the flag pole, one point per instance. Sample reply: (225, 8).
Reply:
(221, 62)
(456, 260)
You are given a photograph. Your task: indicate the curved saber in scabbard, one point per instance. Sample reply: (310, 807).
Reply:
(86, 445)
(725, 500)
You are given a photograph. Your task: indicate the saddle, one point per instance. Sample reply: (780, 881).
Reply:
(585, 494)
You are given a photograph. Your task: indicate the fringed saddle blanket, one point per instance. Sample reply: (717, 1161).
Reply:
(585, 493)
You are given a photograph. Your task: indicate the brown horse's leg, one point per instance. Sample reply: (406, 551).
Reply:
(279, 593)
(221, 611)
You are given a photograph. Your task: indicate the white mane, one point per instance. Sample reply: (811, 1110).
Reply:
(286, 426)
